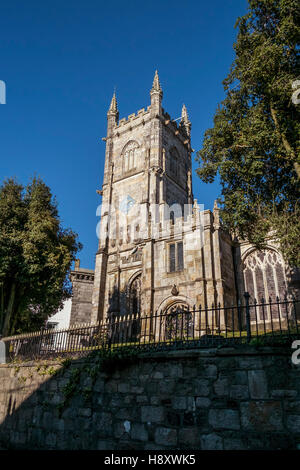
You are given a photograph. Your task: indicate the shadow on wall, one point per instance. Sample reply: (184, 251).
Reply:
(125, 302)
(184, 400)
(62, 405)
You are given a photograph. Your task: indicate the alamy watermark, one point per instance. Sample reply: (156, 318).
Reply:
(2, 92)
(127, 221)
(296, 94)
(296, 354)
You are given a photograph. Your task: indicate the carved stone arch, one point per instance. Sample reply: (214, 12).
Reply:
(176, 318)
(169, 301)
(130, 154)
(251, 249)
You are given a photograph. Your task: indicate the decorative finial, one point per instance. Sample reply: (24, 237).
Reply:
(113, 109)
(156, 85)
(216, 212)
(185, 122)
(184, 114)
(77, 263)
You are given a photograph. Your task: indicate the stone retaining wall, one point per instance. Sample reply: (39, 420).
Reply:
(212, 399)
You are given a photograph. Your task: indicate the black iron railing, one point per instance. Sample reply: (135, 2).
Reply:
(265, 322)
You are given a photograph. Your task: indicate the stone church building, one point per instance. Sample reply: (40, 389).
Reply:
(158, 248)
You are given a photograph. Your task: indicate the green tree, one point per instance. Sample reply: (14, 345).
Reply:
(36, 254)
(254, 143)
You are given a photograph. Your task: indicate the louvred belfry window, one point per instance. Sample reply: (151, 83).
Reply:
(130, 155)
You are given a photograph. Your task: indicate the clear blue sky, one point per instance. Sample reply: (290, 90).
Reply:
(61, 60)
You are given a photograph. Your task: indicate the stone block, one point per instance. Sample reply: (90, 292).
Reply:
(201, 387)
(239, 392)
(258, 386)
(139, 432)
(102, 422)
(58, 424)
(248, 363)
(189, 438)
(111, 386)
(121, 430)
(136, 389)
(261, 416)
(175, 370)
(56, 398)
(130, 399)
(293, 406)
(158, 375)
(293, 423)
(221, 387)
(50, 439)
(190, 371)
(211, 442)
(210, 371)
(117, 401)
(106, 445)
(47, 420)
(152, 414)
(202, 402)
(191, 403)
(155, 400)
(85, 412)
(284, 394)
(179, 403)
(165, 436)
(142, 399)
(173, 418)
(123, 388)
(99, 385)
(234, 444)
(228, 363)
(131, 413)
(240, 377)
(166, 386)
(224, 419)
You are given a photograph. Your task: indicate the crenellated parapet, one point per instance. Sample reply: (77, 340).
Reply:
(133, 117)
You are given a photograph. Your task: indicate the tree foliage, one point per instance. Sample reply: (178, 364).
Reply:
(36, 254)
(254, 143)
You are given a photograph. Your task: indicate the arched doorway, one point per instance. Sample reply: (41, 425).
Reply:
(178, 322)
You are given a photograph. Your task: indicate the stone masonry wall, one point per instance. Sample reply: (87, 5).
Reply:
(210, 399)
(82, 282)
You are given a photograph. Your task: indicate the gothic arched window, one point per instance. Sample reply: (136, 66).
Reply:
(264, 277)
(130, 155)
(135, 296)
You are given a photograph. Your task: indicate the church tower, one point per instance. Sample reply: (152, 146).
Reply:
(147, 166)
